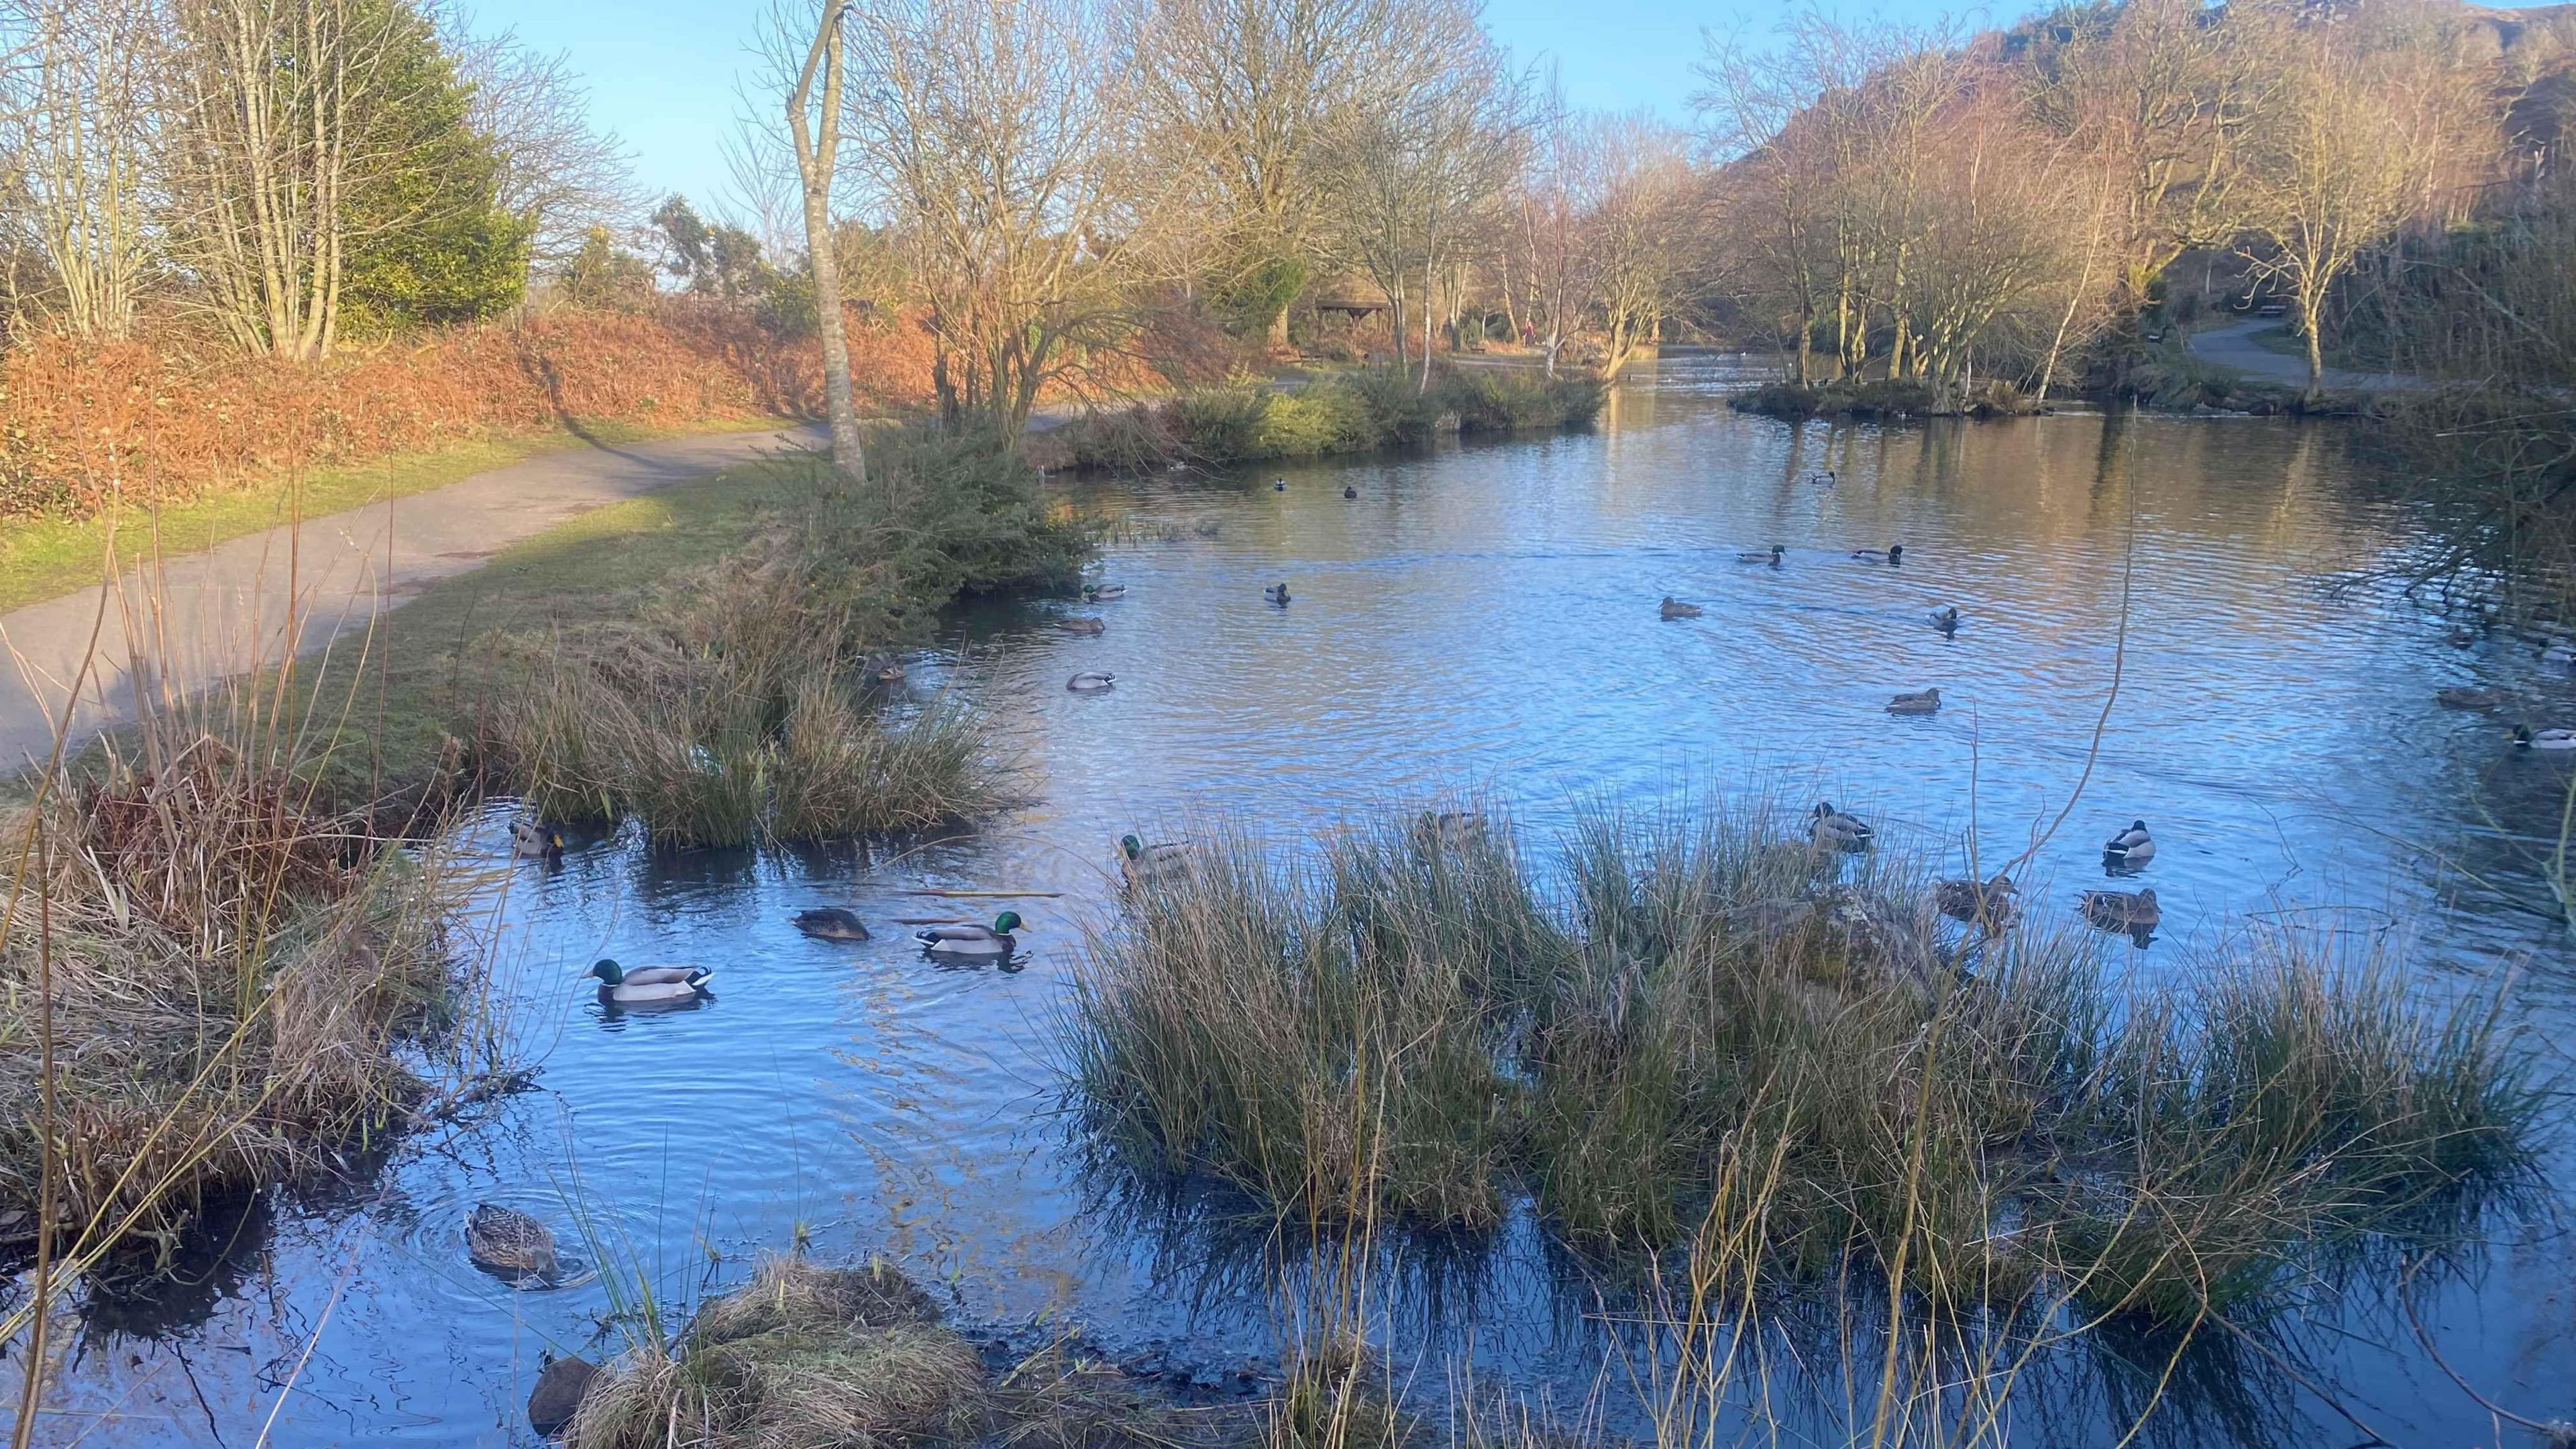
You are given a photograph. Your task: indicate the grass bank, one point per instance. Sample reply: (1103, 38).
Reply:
(1348, 412)
(1693, 1024)
(1894, 400)
(703, 659)
(45, 558)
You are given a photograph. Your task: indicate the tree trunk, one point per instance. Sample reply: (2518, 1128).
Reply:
(814, 158)
(2308, 310)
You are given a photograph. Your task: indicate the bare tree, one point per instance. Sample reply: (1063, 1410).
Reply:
(1412, 171)
(1548, 207)
(999, 138)
(278, 114)
(2345, 153)
(1640, 232)
(557, 172)
(817, 140)
(2164, 97)
(75, 152)
(1244, 94)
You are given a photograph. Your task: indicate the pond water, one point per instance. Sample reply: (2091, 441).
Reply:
(1481, 617)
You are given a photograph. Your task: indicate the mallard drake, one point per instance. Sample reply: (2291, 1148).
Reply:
(1144, 865)
(1921, 701)
(830, 923)
(1097, 592)
(1946, 619)
(2462, 697)
(1990, 902)
(649, 983)
(1277, 594)
(2132, 846)
(2550, 739)
(1092, 682)
(1082, 626)
(1894, 553)
(2122, 911)
(505, 1240)
(1771, 555)
(1844, 832)
(533, 840)
(981, 942)
(1823, 477)
(1350, 492)
(1673, 608)
(1278, 485)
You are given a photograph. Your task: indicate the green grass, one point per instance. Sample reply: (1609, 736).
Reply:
(2280, 340)
(398, 697)
(46, 558)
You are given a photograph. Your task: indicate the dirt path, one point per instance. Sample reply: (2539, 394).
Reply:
(2233, 346)
(211, 615)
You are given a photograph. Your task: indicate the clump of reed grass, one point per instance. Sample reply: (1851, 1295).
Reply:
(232, 979)
(1411, 1023)
(738, 706)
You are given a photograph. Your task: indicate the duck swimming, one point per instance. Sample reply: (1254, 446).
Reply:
(1771, 555)
(1277, 594)
(1946, 619)
(1673, 608)
(505, 1240)
(1144, 865)
(890, 674)
(973, 942)
(2121, 911)
(2132, 846)
(649, 983)
(1350, 492)
(1082, 626)
(1278, 485)
(1894, 553)
(2462, 697)
(1092, 683)
(1973, 901)
(1097, 592)
(531, 840)
(830, 923)
(2525, 737)
(1925, 701)
(1834, 828)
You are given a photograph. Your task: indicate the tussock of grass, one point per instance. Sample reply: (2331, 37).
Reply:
(805, 1357)
(235, 979)
(738, 705)
(1413, 1024)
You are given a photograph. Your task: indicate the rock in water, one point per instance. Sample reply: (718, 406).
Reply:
(558, 1394)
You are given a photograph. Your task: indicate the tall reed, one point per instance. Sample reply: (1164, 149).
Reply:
(1700, 988)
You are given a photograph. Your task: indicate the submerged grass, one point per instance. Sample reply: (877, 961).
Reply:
(1414, 1024)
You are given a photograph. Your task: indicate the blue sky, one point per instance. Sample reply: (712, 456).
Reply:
(662, 73)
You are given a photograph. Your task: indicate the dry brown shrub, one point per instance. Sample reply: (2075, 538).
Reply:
(173, 415)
